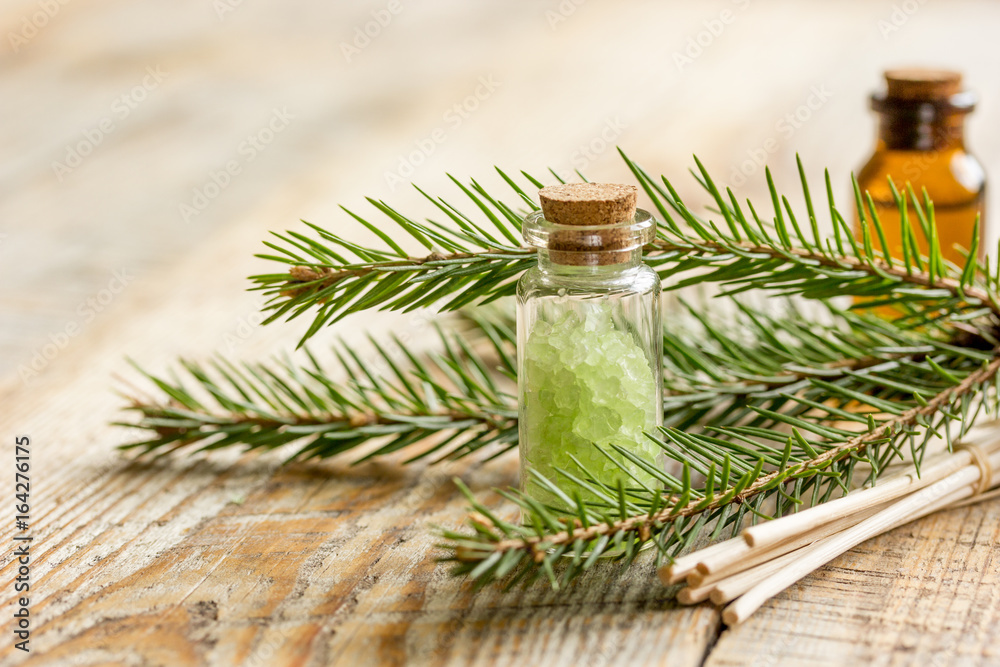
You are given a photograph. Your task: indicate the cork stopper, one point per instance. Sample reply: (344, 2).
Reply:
(591, 224)
(588, 203)
(920, 84)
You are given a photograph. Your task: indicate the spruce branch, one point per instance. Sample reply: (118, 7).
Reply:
(441, 405)
(885, 385)
(404, 398)
(789, 457)
(766, 408)
(472, 261)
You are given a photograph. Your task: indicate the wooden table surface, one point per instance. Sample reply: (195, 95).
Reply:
(119, 114)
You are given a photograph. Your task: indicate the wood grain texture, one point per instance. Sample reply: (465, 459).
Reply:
(926, 593)
(229, 559)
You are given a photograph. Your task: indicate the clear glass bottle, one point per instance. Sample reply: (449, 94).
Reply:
(921, 141)
(589, 341)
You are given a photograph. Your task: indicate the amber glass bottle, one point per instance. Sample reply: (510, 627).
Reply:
(921, 142)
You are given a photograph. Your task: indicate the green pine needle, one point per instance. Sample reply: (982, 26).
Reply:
(769, 404)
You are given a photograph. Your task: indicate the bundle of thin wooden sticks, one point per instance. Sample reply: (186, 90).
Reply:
(767, 558)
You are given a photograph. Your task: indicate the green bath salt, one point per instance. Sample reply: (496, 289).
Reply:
(586, 383)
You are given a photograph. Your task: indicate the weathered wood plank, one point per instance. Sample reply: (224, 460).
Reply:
(330, 564)
(926, 594)
(230, 560)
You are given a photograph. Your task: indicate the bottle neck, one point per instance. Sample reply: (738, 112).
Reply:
(604, 264)
(910, 132)
(922, 125)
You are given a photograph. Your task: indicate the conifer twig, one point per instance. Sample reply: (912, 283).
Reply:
(764, 411)
(470, 262)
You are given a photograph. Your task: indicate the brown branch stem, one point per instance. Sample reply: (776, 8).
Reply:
(356, 420)
(303, 278)
(845, 365)
(644, 523)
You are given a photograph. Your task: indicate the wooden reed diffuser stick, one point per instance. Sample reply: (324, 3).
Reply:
(826, 550)
(768, 558)
(773, 532)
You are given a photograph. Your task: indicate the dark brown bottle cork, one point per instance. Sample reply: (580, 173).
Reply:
(590, 204)
(920, 84)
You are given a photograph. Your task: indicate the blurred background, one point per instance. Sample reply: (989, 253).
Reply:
(147, 147)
